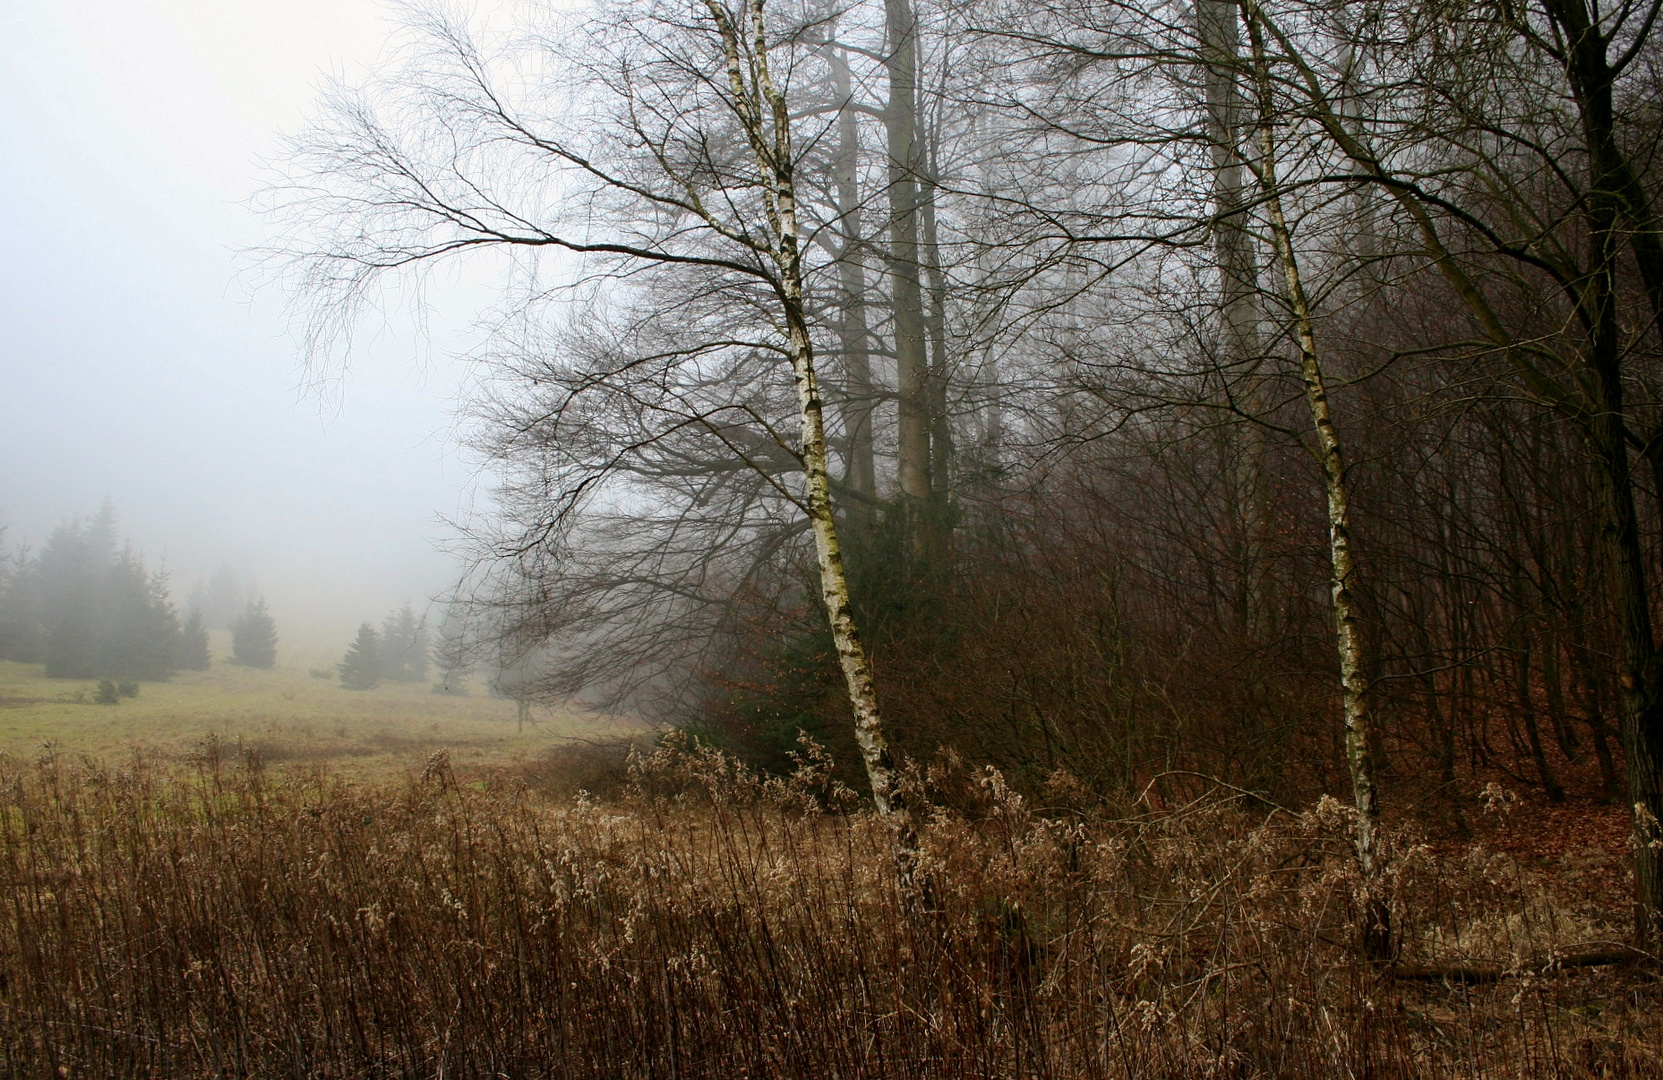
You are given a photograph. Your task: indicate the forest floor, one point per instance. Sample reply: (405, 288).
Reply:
(1579, 845)
(285, 715)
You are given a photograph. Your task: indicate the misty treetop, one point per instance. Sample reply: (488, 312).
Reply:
(86, 606)
(221, 599)
(453, 655)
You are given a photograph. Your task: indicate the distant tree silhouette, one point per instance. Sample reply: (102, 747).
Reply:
(86, 609)
(193, 642)
(360, 668)
(403, 646)
(69, 574)
(254, 636)
(221, 599)
(453, 656)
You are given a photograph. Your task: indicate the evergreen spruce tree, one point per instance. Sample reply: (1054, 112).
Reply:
(254, 636)
(403, 646)
(86, 608)
(453, 656)
(151, 648)
(193, 642)
(137, 628)
(89, 611)
(69, 574)
(14, 612)
(360, 668)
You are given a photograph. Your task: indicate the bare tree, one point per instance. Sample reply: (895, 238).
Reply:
(670, 170)
(1356, 704)
(905, 150)
(1156, 270)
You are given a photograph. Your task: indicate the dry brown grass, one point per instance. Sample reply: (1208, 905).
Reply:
(224, 921)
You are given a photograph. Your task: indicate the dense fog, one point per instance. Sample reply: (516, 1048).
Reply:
(144, 365)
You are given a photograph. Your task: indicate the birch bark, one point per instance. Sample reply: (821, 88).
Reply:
(1348, 641)
(763, 112)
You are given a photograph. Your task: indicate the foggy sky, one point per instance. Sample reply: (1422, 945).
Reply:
(137, 366)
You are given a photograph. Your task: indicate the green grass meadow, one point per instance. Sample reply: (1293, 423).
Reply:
(290, 717)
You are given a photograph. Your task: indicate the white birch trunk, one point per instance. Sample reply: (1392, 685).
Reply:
(1354, 683)
(763, 110)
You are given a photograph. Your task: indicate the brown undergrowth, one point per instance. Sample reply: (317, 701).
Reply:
(229, 922)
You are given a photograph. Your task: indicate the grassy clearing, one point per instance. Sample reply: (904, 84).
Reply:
(286, 715)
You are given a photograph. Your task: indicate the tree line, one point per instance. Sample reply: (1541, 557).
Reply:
(86, 606)
(1263, 388)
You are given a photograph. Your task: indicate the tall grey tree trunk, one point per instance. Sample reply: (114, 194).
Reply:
(1365, 226)
(854, 335)
(1232, 246)
(942, 474)
(902, 258)
(1240, 343)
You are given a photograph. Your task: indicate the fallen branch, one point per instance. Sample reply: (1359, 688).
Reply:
(1486, 972)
